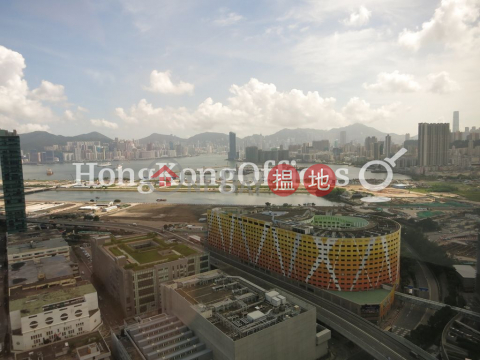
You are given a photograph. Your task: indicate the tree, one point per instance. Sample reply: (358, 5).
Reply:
(267, 204)
(117, 200)
(96, 218)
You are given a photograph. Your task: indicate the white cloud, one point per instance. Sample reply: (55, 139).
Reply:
(26, 128)
(259, 106)
(358, 18)
(50, 92)
(441, 83)
(394, 82)
(104, 123)
(453, 23)
(359, 111)
(17, 105)
(73, 115)
(160, 82)
(341, 56)
(228, 18)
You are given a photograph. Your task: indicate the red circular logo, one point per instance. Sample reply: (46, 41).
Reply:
(283, 180)
(319, 180)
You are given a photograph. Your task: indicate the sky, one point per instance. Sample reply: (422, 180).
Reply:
(131, 68)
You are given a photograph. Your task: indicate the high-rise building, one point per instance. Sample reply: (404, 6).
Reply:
(232, 153)
(388, 146)
(343, 138)
(407, 136)
(12, 176)
(251, 154)
(433, 144)
(377, 150)
(323, 145)
(456, 121)
(369, 141)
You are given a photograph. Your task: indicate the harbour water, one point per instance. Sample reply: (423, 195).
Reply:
(68, 172)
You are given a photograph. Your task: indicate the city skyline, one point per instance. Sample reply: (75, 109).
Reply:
(231, 69)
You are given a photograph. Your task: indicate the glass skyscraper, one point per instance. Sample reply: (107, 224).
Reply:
(12, 176)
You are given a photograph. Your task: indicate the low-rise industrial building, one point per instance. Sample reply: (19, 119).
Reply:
(53, 313)
(26, 248)
(239, 320)
(133, 268)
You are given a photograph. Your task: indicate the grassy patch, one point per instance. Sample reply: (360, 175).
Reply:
(152, 255)
(115, 251)
(427, 214)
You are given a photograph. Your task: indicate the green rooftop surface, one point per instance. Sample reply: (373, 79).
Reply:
(362, 297)
(33, 304)
(152, 254)
(427, 214)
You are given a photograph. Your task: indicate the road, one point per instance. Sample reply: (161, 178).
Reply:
(412, 315)
(107, 305)
(378, 343)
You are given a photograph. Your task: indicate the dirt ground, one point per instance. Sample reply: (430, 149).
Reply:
(174, 213)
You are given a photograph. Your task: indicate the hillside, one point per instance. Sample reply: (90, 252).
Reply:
(356, 132)
(38, 139)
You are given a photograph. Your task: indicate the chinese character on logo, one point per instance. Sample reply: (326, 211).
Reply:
(319, 180)
(283, 180)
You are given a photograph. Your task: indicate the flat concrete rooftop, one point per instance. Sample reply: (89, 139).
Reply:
(34, 244)
(58, 350)
(48, 268)
(31, 302)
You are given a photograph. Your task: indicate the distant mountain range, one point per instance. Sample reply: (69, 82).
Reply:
(37, 140)
(357, 132)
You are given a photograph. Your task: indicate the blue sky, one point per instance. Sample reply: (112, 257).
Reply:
(128, 69)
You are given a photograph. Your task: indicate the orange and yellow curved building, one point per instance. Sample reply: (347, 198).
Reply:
(333, 252)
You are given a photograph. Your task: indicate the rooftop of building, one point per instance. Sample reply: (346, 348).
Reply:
(31, 244)
(155, 336)
(327, 222)
(34, 301)
(34, 233)
(67, 349)
(466, 271)
(234, 305)
(43, 271)
(148, 250)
